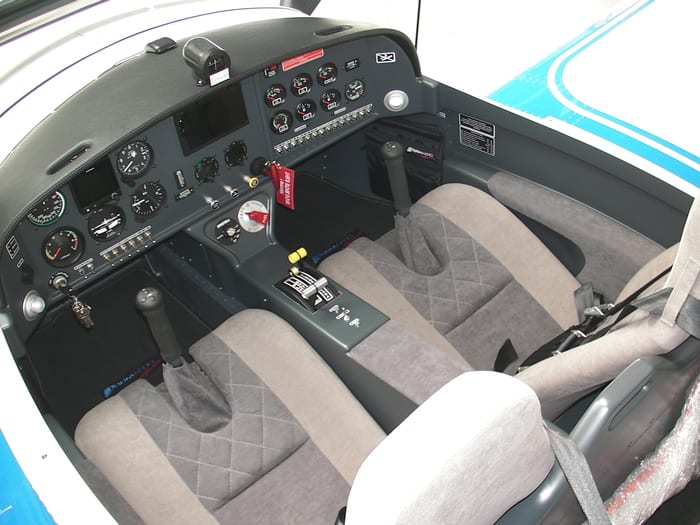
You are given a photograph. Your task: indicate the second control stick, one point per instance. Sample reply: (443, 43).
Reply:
(392, 153)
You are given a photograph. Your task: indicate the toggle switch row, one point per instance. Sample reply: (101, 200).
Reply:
(323, 130)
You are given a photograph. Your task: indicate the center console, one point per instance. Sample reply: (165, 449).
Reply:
(244, 261)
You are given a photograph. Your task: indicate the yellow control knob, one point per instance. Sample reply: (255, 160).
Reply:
(252, 181)
(297, 255)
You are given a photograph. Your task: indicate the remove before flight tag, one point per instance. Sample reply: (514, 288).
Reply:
(283, 178)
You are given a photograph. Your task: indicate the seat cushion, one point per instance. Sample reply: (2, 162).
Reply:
(263, 466)
(496, 281)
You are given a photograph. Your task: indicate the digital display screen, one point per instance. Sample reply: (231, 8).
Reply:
(211, 118)
(95, 186)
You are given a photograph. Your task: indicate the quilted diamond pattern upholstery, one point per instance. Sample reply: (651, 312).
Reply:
(220, 465)
(469, 277)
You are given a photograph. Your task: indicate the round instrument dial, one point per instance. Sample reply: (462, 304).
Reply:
(206, 170)
(301, 84)
(106, 222)
(281, 122)
(49, 210)
(330, 100)
(327, 74)
(63, 247)
(148, 199)
(355, 89)
(306, 110)
(275, 95)
(134, 159)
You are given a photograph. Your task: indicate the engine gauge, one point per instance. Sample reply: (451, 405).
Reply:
(275, 95)
(134, 159)
(148, 199)
(306, 110)
(355, 89)
(327, 74)
(106, 222)
(301, 84)
(49, 210)
(280, 122)
(63, 247)
(330, 100)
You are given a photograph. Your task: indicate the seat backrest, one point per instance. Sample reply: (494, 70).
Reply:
(560, 380)
(466, 455)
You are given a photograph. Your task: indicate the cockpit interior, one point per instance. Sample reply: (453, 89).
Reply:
(229, 192)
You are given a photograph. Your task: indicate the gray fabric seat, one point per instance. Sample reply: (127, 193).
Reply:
(495, 282)
(288, 454)
(454, 460)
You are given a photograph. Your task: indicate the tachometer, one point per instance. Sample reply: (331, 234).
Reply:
(134, 159)
(63, 247)
(49, 210)
(148, 199)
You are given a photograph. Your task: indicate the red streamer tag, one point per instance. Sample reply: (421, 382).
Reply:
(283, 179)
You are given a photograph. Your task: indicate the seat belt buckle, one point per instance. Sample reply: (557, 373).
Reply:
(598, 311)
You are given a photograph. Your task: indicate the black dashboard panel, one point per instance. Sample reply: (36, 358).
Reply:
(164, 176)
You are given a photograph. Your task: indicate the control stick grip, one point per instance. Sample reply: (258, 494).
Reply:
(149, 302)
(392, 153)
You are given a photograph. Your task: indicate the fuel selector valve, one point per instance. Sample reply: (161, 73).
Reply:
(81, 310)
(253, 216)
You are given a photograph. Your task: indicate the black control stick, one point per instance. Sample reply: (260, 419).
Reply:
(149, 301)
(392, 153)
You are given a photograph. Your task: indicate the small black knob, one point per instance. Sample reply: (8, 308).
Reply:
(257, 167)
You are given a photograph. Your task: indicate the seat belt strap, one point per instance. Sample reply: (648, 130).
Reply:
(595, 315)
(688, 318)
(577, 472)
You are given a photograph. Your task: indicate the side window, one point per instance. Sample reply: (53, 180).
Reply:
(587, 68)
